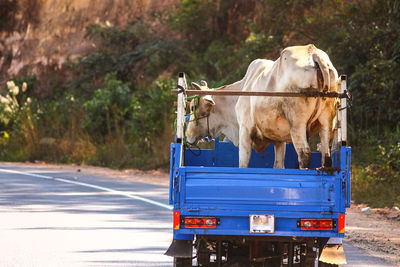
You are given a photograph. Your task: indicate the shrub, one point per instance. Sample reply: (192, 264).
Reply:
(376, 178)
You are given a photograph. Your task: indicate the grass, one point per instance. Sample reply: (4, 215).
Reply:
(372, 186)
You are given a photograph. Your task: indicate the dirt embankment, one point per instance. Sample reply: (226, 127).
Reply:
(45, 34)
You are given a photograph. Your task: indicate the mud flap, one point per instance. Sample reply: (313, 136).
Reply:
(333, 252)
(180, 249)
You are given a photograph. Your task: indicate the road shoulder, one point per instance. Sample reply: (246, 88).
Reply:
(377, 231)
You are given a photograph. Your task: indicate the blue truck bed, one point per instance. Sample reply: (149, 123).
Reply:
(211, 184)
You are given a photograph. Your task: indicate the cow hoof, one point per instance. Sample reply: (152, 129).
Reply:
(328, 161)
(304, 159)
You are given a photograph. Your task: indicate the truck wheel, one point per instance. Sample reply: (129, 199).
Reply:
(182, 262)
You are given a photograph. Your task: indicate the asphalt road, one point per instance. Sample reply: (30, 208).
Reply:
(56, 218)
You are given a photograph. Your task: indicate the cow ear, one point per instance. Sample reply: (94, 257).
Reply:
(196, 86)
(209, 100)
(203, 85)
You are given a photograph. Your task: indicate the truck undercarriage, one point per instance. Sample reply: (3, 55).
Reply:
(224, 251)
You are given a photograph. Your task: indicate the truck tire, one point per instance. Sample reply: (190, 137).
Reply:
(182, 262)
(323, 264)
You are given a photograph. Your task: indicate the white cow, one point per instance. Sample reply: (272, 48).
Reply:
(289, 119)
(216, 115)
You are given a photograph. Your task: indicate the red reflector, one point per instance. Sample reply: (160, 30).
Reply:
(341, 223)
(177, 219)
(200, 222)
(316, 224)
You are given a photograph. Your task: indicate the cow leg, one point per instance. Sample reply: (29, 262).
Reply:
(324, 135)
(280, 149)
(244, 147)
(298, 134)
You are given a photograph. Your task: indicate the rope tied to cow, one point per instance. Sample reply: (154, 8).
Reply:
(181, 89)
(346, 94)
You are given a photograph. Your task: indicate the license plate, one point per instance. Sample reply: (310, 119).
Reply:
(262, 224)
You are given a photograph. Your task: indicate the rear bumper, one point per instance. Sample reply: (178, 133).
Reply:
(286, 225)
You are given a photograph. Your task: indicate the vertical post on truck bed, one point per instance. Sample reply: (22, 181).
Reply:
(343, 110)
(181, 111)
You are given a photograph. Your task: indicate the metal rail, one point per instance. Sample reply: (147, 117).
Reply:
(342, 114)
(259, 93)
(181, 111)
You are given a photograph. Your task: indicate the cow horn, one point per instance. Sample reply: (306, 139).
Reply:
(204, 83)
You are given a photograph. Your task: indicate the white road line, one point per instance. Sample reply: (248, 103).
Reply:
(116, 192)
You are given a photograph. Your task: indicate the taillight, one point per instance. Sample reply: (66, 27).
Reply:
(200, 222)
(177, 220)
(341, 223)
(316, 224)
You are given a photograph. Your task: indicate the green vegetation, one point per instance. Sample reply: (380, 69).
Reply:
(115, 109)
(376, 174)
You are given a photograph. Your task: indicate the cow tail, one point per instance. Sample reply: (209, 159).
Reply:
(323, 66)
